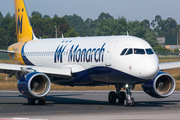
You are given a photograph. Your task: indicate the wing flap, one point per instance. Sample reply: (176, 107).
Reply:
(169, 65)
(55, 71)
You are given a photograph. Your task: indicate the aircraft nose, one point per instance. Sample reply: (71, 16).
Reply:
(150, 68)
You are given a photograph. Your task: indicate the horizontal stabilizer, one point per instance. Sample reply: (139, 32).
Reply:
(6, 51)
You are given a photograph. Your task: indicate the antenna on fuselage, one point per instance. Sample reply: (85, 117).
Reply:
(62, 35)
(127, 33)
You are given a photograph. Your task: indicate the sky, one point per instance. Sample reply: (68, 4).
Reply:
(130, 9)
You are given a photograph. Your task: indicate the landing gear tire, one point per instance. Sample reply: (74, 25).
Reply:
(126, 102)
(42, 101)
(129, 102)
(31, 101)
(122, 96)
(112, 97)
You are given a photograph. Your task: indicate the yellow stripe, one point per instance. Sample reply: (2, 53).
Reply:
(17, 47)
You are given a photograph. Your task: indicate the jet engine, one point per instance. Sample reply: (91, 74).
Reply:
(161, 86)
(34, 85)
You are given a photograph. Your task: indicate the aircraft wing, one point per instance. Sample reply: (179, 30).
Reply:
(169, 65)
(13, 69)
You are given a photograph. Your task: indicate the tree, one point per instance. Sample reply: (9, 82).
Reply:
(11, 33)
(105, 27)
(71, 32)
(3, 38)
(5, 22)
(8, 15)
(7, 32)
(37, 25)
(88, 21)
(158, 18)
(104, 16)
(111, 27)
(76, 22)
(151, 38)
(61, 24)
(166, 27)
(135, 28)
(89, 27)
(145, 23)
(45, 26)
(46, 16)
(1, 17)
(73, 26)
(36, 13)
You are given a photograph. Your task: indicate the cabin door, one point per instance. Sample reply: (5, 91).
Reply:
(108, 53)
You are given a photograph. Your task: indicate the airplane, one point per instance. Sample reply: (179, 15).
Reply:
(122, 61)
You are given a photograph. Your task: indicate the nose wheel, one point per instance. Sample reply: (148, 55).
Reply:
(129, 102)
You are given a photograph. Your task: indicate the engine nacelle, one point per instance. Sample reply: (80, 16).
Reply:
(34, 85)
(161, 86)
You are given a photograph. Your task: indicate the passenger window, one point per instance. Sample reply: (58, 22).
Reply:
(149, 51)
(129, 51)
(139, 51)
(124, 51)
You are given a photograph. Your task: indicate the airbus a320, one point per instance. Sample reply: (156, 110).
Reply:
(122, 61)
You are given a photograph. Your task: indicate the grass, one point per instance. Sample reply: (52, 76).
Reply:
(11, 83)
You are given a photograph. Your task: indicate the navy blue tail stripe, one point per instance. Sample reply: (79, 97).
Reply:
(26, 61)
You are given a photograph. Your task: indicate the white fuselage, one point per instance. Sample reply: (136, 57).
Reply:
(103, 53)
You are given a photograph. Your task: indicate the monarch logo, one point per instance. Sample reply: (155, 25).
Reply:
(19, 24)
(58, 54)
(77, 54)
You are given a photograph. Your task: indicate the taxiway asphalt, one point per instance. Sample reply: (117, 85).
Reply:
(89, 105)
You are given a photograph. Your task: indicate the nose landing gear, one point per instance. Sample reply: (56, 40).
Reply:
(123, 97)
(129, 100)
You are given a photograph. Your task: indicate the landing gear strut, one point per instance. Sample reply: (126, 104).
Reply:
(123, 97)
(41, 101)
(129, 100)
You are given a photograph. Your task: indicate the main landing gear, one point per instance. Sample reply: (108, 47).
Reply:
(123, 97)
(41, 101)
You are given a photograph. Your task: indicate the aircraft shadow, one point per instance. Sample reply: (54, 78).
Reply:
(156, 103)
(57, 99)
(69, 100)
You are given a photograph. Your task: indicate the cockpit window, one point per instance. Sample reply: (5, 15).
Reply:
(130, 51)
(149, 51)
(139, 51)
(124, 51)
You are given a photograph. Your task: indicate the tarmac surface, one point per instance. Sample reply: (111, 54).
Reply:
(89, 105)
